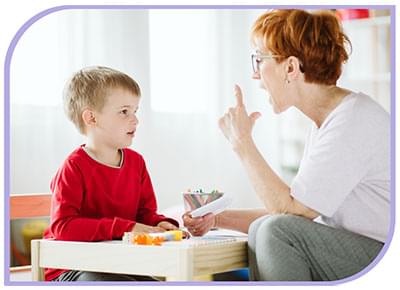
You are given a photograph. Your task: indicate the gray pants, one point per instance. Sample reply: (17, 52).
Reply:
(292, 248)
(74, 275)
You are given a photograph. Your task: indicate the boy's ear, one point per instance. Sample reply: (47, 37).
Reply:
(88, 117)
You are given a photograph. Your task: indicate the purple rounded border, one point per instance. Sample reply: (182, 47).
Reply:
(40, 15)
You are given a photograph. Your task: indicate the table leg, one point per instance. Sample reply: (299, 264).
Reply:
(184, 271)
(36, 270)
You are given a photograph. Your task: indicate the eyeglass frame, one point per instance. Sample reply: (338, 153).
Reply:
(254, 56)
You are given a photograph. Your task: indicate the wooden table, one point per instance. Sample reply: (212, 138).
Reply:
(176, 261)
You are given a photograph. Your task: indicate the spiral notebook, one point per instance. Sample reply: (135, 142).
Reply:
(212, 238)
(209, 240)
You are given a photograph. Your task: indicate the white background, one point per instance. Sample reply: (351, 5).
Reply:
(14, 14)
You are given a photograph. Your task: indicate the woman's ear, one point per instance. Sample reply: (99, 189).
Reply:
(88, 117)
(293, 67)
(293, 64)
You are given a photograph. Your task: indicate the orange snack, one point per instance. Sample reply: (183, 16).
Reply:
(142, 239)
(146, 239)
(157, 241)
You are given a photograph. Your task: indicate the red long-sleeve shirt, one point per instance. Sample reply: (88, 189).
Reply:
(94, 202)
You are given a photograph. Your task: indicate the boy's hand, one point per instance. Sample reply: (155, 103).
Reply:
(142, 228)
(167, 226)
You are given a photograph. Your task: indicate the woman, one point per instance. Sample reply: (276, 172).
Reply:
(344, 176)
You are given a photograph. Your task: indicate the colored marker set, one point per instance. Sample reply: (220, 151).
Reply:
(198, 198)
(200, 203)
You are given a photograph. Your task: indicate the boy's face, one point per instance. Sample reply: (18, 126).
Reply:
(116, 123)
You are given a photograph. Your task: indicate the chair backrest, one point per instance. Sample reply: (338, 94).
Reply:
(29, 205)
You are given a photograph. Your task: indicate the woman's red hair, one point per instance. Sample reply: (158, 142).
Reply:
(316, 39)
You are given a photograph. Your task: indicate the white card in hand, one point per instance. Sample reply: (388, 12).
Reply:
(215, 207)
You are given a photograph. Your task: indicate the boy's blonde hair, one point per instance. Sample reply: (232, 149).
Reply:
(88, 88)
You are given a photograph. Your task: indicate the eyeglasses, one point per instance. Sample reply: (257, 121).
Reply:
(256, 59)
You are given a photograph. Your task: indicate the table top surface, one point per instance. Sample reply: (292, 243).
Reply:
(212, 238)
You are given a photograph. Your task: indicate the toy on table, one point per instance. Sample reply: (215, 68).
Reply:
(152, 239)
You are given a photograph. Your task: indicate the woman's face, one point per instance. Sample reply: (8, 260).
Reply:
(272, 78)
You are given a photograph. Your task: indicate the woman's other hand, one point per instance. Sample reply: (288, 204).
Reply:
(236, 124)
(200, 225)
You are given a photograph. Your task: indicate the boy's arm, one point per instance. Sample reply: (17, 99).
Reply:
(66, 220)
(147, 211)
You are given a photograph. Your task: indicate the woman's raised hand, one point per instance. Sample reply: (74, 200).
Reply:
(236, 124)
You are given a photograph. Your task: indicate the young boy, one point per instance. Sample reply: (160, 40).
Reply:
(103, 188)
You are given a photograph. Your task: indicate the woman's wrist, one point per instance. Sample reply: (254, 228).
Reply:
(243, 146)
(216, 224)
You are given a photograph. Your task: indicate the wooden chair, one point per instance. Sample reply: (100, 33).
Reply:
(28, 206)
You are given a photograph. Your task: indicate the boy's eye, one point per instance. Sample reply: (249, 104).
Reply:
(125, 112)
